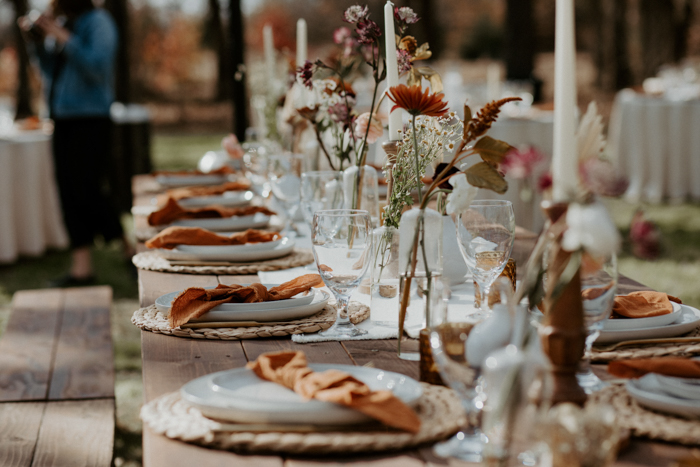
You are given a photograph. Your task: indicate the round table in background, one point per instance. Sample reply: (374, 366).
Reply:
(30, 211)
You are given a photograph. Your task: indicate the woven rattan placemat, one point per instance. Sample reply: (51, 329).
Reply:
(439, 409)
(152, 261)
(645, 423)
(153, 320)
(649, 351)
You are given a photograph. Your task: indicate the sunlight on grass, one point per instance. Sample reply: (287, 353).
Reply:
(175, 152)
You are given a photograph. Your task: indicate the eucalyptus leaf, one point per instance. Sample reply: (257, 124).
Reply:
(482, 175)
(492, 150)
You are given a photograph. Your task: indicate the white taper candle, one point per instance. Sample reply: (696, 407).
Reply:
(392, 69)
(301, 42)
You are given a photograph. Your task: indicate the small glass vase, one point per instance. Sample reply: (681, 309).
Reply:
(419, 295)
(429, 240)
(361, 190)
(384, 278)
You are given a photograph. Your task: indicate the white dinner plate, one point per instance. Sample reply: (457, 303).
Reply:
(164, 302)
(230, 253)
(685, 388)
(256, 221)
(228, 198)
(688, 320)
(240, 396)
(190, 180)
(649, 393)
(622, 324)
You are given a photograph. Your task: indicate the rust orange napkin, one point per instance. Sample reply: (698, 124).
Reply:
(172, 211)
(644, 304)
(174, 236)
(290, 369)
(194, 191)
(669, 366)
(195, 301)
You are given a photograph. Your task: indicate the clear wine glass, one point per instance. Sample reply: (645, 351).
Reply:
(284, 172)
(320, 190)
(341, 241)
(255, 167)
(486, 232)
(598, 287)
(448, 339)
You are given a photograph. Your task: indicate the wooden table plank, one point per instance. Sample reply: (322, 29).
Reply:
(159, 451)
(76, 434)
(169, 362)
(153, 284)
(381, 354)
(28, 344)
(320, 352)
(84, 363)
(19, 430)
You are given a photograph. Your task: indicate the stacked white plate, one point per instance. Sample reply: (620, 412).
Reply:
(240, 396)
(682, 320)
(256, 221)
(296, 307)
(677, 396)
(230, 253)
(228, 198)
(174, 181)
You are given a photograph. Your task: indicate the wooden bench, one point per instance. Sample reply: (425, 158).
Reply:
(57, 379)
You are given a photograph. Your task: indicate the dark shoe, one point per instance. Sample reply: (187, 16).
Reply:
(70, 281)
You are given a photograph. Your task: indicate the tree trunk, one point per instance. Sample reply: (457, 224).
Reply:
(623, 72)
(519, 40)
(684, 19)
(238, 83)
(122, 76)
(24, 94)
(658, 35)
(219, 39)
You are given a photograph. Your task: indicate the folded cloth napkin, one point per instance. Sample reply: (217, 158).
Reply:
(174, 236)
(225, 170)
(195, 301)
(644, 304)
(669, 366)
(290, 369)
(194, 191)
(172, 211)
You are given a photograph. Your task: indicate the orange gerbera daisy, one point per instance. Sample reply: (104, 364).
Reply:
(416, 102)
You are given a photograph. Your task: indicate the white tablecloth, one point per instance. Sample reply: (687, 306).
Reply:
(30, 211)
(656, 143)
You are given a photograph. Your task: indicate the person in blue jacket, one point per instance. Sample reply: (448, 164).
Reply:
(77, 44)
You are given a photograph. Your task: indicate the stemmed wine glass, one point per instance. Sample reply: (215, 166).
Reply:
(341, 241)
(284, 172)
(598, 288)
(320, 190)
(448, 339)
(486, 232)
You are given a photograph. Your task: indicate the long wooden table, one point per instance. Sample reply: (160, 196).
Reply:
(169, 362)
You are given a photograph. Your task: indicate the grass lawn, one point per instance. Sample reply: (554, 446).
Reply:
(676, 272)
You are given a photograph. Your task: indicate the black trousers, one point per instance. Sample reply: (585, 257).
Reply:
(81, 151)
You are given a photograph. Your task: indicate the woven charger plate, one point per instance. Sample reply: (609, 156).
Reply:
(153, 320)
(645, 423)
(649, 351)
(439, 409)
(152, 261)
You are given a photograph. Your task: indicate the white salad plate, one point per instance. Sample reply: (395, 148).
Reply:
(685, 388)
(623, 324)
(256, 221)
(190, 180)
(230, 253)
(240, 396)
(293, 308)
(228, 198)
(649, 392)
(688, 320)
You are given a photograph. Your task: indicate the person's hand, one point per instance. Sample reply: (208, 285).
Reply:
(50, 27)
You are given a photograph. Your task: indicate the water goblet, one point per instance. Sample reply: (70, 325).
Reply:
(598, 287)
(485, 234)
(255, 167)
(320, 190)
(448, 339)
(284, 172)
(341, 241)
